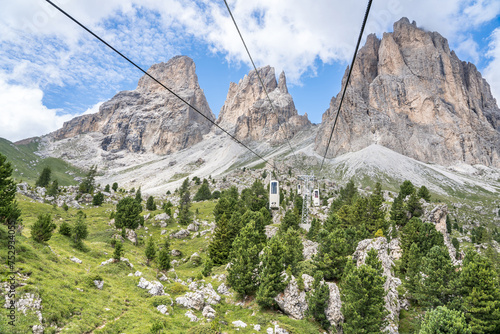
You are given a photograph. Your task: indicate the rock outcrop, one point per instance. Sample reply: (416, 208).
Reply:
(248, 114)
(149, 118)
(292, 301)
(409, 92)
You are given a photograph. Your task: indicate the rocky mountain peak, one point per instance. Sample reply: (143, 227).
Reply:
(149, 118)
(248, 114)
(178, 72)
(409, 92)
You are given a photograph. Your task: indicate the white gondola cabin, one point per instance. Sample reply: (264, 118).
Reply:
(315, 197)
(299, 189)
(274, 195)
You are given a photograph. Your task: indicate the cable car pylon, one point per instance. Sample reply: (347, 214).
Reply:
(305, 191)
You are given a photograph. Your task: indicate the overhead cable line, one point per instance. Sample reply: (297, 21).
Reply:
(260, 79)
(158, 82)
(347, 81)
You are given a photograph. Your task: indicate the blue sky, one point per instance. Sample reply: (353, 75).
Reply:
(51, 70)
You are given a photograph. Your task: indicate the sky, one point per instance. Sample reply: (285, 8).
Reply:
(51, 70)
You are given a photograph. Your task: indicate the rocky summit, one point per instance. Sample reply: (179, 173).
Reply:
(248, 114)
(409, 92)
(149, 118)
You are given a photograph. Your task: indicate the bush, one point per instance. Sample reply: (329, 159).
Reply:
(150, 204)
(65, 207)
(115, 186)
(106, 189)
(98, 199)
(127, 213)
(65, 229)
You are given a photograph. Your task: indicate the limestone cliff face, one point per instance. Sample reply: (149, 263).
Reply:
(410, 93)
(149, 118)
(248, 114)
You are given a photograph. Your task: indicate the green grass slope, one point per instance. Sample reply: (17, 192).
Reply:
(27, 166)
(71, 302)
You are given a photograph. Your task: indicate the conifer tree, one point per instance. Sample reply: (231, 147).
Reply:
(406, 189)
(184, 187)
(118, 251)
(44, 178)
(115, 186)
(317, 299)
(79, 232)
(128, 213)
(480, 292)
(203, 192)
(398, 212)
(437, 286)
(98, 199)
(9, 211)
(293, 248)
(424, 235)
(260, 224)
(138, 196)
(88, 183)
(413, 275)
(53, 189)
(150, 204)
(424, 193)
(42, 229)
(362, 295)
(106, 188)
(184, 213)
(225, 232)
(443, 320)
(290, 220)
(332, 254)
(207, 267)
(413, 207)
(271, 278)
(245, 260)
(150, 251)
(164, 256)
(314, 229)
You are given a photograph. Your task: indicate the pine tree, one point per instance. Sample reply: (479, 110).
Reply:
(127, 213)
(413, 207)
(184, 213)
(437, 286)
(260, 223)
(184, 188)
(443, 320)
(317, 300)
(150, 204)
(480, 292)
(79, 232)
(375, 213)
(53, 189)
(290, 220)
(118, 251)
(225, 232)
(65, 229)
(245, 260)
(413, 275)
(115, 186)
(44, 178)
(150, 251)
(293, 248)
(9, 212)
(207, 268)
(398, 212)
(424, 193)
(164, 256)
(42, 229)
(88, 183)
(406, 189)
(106, 188)
(271, 279)
(424, 235)
(98, 199)
(362, 295)
(203, 192)
(314, 229)
(138, 196)
(332, 254)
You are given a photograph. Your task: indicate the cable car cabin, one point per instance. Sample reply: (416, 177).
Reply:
(315, 197)
(299, 189)
(274, 195)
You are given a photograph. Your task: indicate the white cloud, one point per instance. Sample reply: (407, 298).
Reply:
(470, 49)
(492, 71)
(94, 109)
(23, 115)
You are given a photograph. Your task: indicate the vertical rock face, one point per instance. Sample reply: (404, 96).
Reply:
(410, 93)
(248, 114)
(149, 118)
